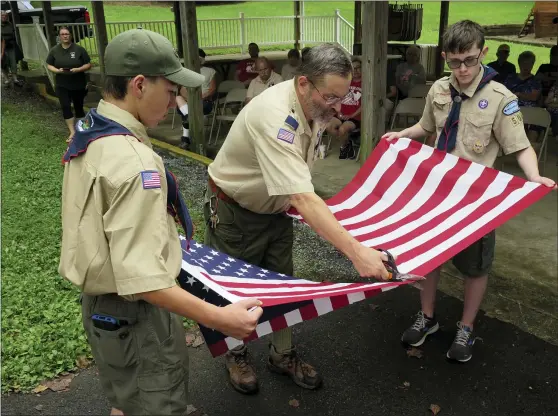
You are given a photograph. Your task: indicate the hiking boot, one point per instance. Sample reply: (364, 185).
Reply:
(417, 333)
(241, 373)
(290, 364)
(462, 348)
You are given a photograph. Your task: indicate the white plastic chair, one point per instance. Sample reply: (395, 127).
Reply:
(538, 116)
(235, 96)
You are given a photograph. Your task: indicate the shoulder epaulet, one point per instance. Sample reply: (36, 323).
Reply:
(500, 88)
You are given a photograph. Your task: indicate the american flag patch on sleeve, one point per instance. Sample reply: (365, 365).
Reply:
(150, 179)
(286, 136)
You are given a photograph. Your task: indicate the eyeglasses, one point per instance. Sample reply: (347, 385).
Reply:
(470, 61)
(330, 100)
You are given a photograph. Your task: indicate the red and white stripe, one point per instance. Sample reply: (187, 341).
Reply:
(425, 205)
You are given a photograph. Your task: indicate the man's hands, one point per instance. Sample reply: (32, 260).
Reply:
(369, 263)
(237, 321)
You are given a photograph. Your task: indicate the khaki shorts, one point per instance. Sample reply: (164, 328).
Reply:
(143, 366)
(476, 260)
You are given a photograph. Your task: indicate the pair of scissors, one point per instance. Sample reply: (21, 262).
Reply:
(394, 273)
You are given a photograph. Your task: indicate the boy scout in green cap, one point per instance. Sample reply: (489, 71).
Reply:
(120, 243)
(474, 118)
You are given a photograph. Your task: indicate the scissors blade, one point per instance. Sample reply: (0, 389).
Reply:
(408, 276)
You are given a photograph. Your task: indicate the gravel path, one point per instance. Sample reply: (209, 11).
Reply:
(314, 258)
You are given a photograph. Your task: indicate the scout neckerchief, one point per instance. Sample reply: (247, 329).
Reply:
(448, 136)
(94, 127)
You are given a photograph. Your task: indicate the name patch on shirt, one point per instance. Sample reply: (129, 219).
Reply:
(286, 136)
(511, 108)
(150, 179)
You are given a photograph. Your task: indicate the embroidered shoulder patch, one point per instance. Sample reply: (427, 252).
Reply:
(511, 108)
(286, 136)
(150, 179)
(291, 122)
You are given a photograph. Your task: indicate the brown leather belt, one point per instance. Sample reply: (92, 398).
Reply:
(218, 192)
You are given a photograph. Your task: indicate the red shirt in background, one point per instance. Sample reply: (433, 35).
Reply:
(351, 103)
(246, 70)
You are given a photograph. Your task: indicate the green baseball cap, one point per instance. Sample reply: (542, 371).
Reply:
(140, 51)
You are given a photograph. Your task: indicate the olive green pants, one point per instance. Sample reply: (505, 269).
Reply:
(143, 366)
(264, 240)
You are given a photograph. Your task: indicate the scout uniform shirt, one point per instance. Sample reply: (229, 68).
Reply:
(72, 57)
(117, 234)
(268, 153)
(257, 86)
(489, 119)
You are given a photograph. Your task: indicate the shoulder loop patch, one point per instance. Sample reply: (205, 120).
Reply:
(291, 122)
(511, 108)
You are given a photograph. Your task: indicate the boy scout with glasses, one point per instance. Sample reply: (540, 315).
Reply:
(120, 243)
(474, 118)
(263, 169)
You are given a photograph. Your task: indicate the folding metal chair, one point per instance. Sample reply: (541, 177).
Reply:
(222, 90)
(538, 116)
(408, 107)
(419, 91)
(235, 96)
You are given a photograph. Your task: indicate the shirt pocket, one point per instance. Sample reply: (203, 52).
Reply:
(441, 108)
(477, 131)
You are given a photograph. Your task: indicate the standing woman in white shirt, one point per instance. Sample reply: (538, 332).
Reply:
(208, 87)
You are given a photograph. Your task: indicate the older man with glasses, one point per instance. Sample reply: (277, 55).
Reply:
(266, 78)
(263, 169)
(501, 65)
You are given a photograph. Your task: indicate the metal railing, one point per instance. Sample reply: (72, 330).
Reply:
(230, 33)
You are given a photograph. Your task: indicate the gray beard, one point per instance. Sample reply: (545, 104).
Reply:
(317, 114)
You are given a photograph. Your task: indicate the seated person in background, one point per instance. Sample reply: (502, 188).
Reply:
(551, 103)
(266, 78)
(501, 65)
(527, 88)
(246, 69)
(208, 87)
(289, 69)
(391, 95)
(548, 73)
(349, 117)
(409, 73)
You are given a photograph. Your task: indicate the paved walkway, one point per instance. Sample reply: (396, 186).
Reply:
(366, 371)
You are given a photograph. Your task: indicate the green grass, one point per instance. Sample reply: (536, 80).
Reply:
(42, 334)
(41, 323)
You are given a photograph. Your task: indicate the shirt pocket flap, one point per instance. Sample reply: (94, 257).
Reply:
(479, 121)
(442, 99)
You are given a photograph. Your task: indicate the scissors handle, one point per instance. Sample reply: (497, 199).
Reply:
(390, 264)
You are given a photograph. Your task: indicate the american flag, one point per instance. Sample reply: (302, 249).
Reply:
(150, 179)
(415, 201)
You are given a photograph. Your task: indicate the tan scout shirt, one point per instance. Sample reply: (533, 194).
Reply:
(264, 160)
(117, 237)
(484, 128)
(257, 86)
